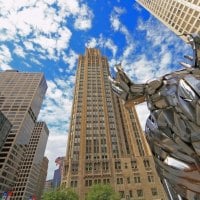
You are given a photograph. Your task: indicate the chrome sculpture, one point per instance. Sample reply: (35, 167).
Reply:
(173, 127)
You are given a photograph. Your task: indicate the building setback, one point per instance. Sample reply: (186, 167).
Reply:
(28, 179)
(181, 16)
(21, 96)
(106, 144)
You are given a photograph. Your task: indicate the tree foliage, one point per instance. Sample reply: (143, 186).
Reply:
(102, 192)
(61, 194)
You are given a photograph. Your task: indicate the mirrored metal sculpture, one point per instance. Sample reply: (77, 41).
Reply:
(173, 127)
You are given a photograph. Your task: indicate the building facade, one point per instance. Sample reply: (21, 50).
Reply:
(42, 177)
(106, 144)
(28, 179)
(48, 186)
(56, 178)
(21, 96)
(181, 16)
(5, 127)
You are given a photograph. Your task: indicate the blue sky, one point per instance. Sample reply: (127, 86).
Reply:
(48, 35)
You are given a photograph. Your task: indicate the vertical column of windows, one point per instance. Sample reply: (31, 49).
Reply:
(136, 133)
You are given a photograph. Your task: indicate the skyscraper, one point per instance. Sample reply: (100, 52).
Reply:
(181, 16)
(106, 144)
(28, 179)
(57, 173)
(21, 96)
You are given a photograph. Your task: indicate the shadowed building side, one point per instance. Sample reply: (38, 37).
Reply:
(21, 98)
(29, 174)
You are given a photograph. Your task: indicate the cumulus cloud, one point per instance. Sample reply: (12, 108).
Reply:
(19, 51)
(84, 19)
(58, 100)
(38, 25)
(5, 57)
(71, 59)
(56, 146)
(103, 42)
(56, 112)
(118, 26)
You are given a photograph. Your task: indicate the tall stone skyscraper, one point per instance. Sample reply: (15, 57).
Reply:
(21, 96)
(106, 144)
(181, 16)
(29, 174)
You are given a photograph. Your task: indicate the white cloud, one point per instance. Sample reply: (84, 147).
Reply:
(56, 146)
(115, 22)
(92, 43)
(103, 42)
(81, 12)
(118, 26)
(5, 58)
(84, 19)
(36, 61)
(58, 100)
(119, 10)
(141, 68)
(137, 6)
(39, 25)
(56, 112)
(19, 51)
(71, 59)
(68, 7)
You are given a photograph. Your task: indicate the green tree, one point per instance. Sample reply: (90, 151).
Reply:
(60, 194)
(102, 192)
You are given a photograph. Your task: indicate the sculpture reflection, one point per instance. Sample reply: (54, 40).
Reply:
(173, 127)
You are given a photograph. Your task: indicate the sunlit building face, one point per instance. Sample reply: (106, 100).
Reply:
(106, 144)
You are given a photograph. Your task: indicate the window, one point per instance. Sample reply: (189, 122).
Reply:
(97, 181)
(73, 183)
(88, 182)
(125, 165)
(88, 167)
(130, 193)
(150, 177)
(106, 181)
(117, 165)
(146, 163)
(121, 193)
(97, 166)
(134, 164)
(140, 193)
(119, 180)
(154, 191)
(105, 165)
(75, 168)
(137, 179)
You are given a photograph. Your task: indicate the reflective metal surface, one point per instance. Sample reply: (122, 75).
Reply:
(173, 127)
